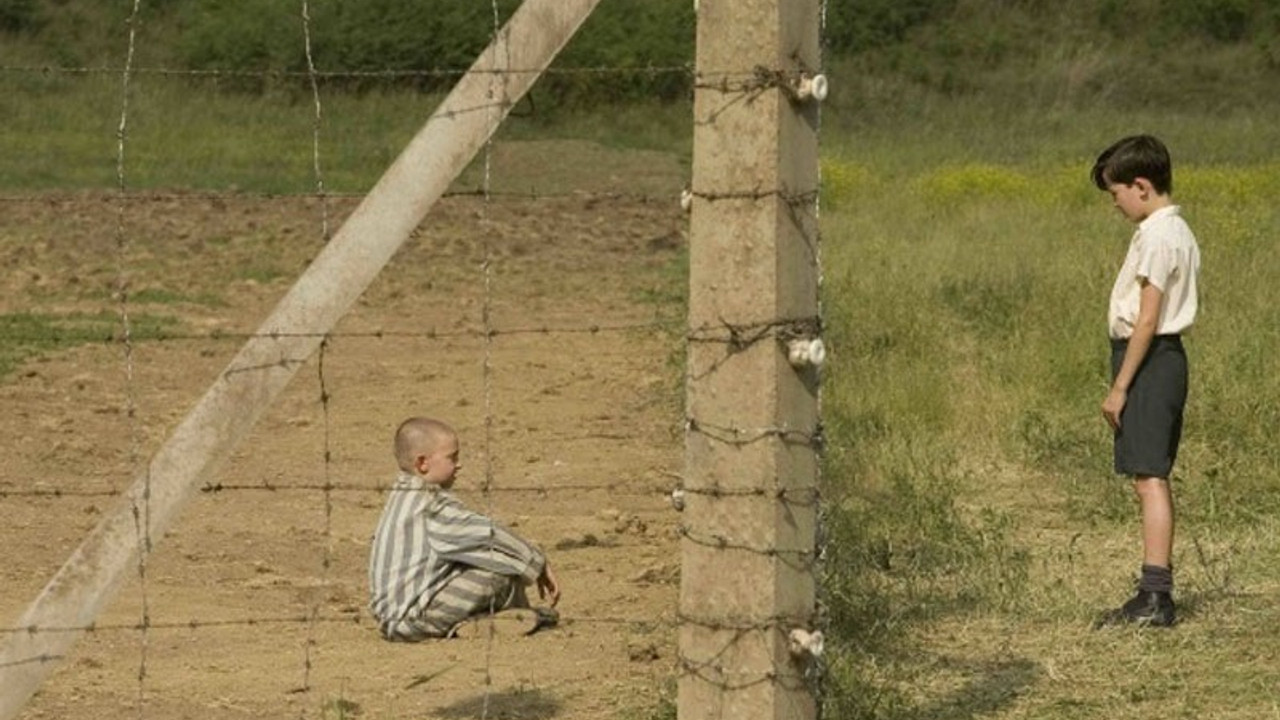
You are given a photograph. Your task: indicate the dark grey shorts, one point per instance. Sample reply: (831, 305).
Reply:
(1151, 423)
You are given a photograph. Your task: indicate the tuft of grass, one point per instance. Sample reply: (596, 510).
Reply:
(260, 273)
(342, 709)
(26, 335)
(164, 296)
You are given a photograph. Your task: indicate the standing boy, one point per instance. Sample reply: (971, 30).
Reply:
(434, 563)
(1153, 303)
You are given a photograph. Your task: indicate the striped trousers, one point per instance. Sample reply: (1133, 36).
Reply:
(471, 592)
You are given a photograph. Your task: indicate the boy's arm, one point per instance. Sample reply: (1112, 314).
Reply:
(1144, 331)
(460, 535)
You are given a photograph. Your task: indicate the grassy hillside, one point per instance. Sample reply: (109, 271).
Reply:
(1222, 54)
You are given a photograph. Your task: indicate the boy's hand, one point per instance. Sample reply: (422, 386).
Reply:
(1113, 406)
(548, 587)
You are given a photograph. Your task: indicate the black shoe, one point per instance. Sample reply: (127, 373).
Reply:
(1146, 609)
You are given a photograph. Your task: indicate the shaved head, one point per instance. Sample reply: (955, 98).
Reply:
(419, 436)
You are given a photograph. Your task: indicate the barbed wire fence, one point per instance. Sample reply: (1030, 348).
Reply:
(127, 338)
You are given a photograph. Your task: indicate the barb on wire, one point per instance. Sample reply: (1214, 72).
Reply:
(784, 623)
(792, 199)
(801, 208)
(755, 81)
(742, 87)
(711, 674)
(741, 335)
(801, 559)
(732, 435)
(710, 669)
(802, 496)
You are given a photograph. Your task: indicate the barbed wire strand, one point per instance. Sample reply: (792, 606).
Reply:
(499, 93)
(446, 73)
(135, 195)
(309, 644)
(141, 515)
(326, 491)
(357, 617)
(56, 336)
(317, 122)
(330, 486)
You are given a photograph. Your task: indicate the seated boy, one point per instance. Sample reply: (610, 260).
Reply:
(434, 563)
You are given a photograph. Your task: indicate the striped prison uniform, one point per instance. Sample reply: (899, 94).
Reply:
(434, 563)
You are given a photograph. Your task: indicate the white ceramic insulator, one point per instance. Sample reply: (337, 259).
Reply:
(806, 351)
(812, 87)
(677, 499)
(804, 643)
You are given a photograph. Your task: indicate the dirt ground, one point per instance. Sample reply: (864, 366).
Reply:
(255, 600)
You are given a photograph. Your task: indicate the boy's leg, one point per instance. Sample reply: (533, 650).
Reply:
(1153, 603)
(472, 592)
(1156, 500)
(505, 611)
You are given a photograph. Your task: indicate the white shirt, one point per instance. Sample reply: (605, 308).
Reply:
(1164, 252)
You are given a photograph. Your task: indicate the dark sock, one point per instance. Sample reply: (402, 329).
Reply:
(1156, 579)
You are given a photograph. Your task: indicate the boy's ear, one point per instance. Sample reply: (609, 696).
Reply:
(1144, 186)
(420, 464)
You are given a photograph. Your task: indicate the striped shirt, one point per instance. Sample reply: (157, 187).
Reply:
(425, 538)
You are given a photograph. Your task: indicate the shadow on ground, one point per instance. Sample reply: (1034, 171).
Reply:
(516, 704)
(992, 686)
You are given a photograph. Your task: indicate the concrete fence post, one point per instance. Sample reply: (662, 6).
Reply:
(749, 524)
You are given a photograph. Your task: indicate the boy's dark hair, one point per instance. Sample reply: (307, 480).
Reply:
(1137, 156)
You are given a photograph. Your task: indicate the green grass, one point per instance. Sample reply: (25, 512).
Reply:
(164, 296)
(194, 134)
(25, 335)
(185, 133)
